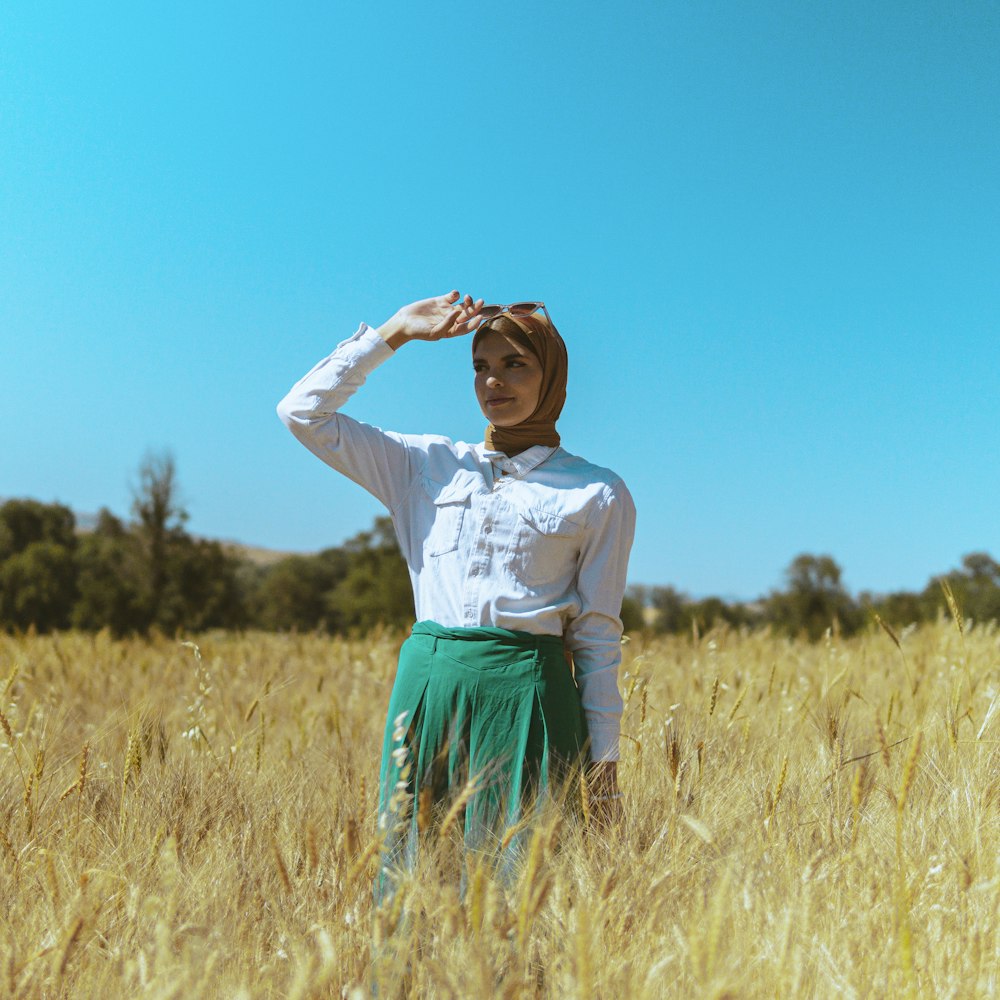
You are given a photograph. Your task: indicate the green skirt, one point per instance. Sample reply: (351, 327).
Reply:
(485, 714)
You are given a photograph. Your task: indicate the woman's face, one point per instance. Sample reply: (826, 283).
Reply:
(508, 379)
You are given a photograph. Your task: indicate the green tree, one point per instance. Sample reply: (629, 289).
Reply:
(976, 587)
(37, 570)
(710, 612)
(376, 589)
(159, 523)
(359, 585)
(201, 588)
(633, 613)
(815, 599)
(670, 608)
(25, 521)
(108, 574)
(295, 593)
(898, 609)
(38, 587)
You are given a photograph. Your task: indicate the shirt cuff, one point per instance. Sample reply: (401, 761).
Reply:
(603, 741)
(370, 341)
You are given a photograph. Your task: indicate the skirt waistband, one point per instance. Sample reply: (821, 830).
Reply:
(502, 636)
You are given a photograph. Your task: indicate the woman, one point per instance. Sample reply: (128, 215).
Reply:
(517, 552)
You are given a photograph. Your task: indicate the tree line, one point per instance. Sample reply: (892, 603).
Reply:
(150, 573)
(815, 600)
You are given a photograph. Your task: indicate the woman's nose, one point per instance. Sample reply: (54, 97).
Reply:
(492, 380)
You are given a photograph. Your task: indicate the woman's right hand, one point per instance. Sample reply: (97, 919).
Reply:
(437, 318)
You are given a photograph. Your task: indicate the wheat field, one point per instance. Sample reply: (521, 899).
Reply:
(184, 820)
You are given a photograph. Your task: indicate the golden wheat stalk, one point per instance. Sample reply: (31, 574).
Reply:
(585, 797)
(988, 717)
(69, 790)
(81, 778)
(859, 790)
(512, 831)
(674, 754)
(909, 771)
(258, 752)
(50, 874)
(883, 750)
(279, 865)
(736, 705)
(8, 847)
(775, 797)
(584, 953)
(956, 614)
(883, 743)
(156, 844)
(362, 861)
(9, 733)
(352, 844)
(425, 808)
(471, 787)
(476, 898)
(887, 628)
(69, 942)
(312, 848)
(890, 632)
(84, 757)
(532, 901)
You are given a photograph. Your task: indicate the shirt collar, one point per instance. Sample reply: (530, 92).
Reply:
(519, 465)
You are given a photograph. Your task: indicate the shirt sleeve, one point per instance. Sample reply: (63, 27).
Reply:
(594, 636)
(382, 462)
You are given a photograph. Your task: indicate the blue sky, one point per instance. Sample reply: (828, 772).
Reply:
(768, 232)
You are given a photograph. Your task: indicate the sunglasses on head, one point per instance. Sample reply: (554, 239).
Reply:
(515, 309)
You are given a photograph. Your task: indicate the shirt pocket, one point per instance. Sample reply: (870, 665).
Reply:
(449, 502)
(544, 547)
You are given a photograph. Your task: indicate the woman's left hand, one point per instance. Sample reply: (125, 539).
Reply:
(604, 800)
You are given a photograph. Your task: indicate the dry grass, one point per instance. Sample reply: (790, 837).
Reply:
(801, 821)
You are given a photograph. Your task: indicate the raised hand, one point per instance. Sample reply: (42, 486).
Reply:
(437, 318)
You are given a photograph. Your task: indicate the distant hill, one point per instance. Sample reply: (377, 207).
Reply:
(257, 555)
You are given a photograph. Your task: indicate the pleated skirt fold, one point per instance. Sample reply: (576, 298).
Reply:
(485, 715)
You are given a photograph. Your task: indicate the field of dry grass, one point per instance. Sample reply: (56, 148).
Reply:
(801, 821)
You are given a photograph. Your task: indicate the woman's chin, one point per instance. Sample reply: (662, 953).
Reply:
(504, 416)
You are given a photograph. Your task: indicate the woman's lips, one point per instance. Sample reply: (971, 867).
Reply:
(499, 400)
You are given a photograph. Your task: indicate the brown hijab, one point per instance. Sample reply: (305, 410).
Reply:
(535, 334)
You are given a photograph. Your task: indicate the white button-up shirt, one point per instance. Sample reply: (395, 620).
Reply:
(538, 542)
